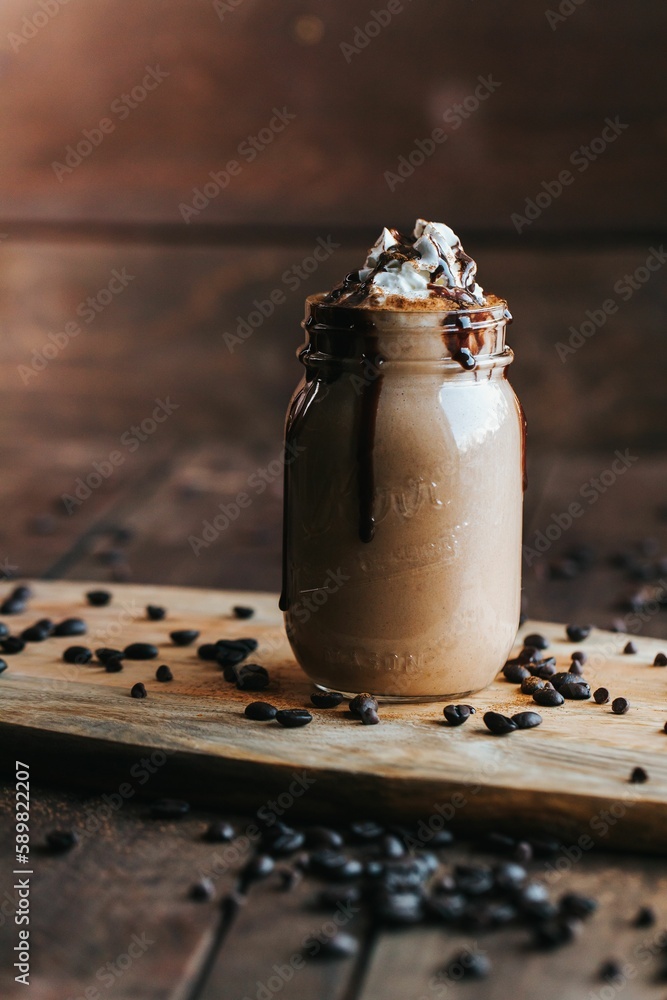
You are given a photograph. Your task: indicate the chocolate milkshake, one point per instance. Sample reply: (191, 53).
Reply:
(403, 488)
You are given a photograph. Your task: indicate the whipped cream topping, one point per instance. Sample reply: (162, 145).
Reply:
(429, 264)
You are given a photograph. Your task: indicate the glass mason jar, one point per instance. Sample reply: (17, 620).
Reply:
(404, 456)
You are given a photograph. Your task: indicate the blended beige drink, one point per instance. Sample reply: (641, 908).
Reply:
(403, 478)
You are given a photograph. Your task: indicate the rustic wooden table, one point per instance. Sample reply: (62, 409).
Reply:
(113, 919)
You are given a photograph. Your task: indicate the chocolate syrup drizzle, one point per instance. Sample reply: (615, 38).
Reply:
(370, 398)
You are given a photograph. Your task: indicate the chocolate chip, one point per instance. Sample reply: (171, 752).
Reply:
(138, 691)
(252, 677)
(184, 636)
(293, 718)
(575, 691)
(78, 654)
(601, 696)
(579, 656)
(660, 660)
(242, 612)
(629, 648)
(206, 652)
(555, 932)
(98, 598)
(499, 724)
(140, 651)
(105, 652)
(163, 673)
(113, 664)
(645, 917)
(523, 852)
(548, 697)
(611, 969)
(514, 672)
(577, 633)
(369, 716)
(576, 668)
(638, 776)
(202, 891)
(326, 699)
(219, 832)
(155, 613)
(456, 715)
(71, 626)
(260, 711)
(620, 706)
(527, 720)
(536, 640)
(60, 841)
(169, 808)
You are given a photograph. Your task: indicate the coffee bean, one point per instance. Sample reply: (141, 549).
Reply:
(71, 626)
(398, 909)
(230, 656)
(638, 776)
(259, 867)
(140, 651)
(556, 932)
(574, 904)
(163, 673)
(529, 654)
(202, 891)
(206, 652)
(3, 666)
(660, 660)
(98, 598)
(184, 636)
(611, 969)
(575, 691)
(499, 724)
(219, 832)
(565, 678)
(289, 878)
(472, 879)
(241, 612)
(60, 841)
(113, 664)
(448, 907)
(339, 945)
(260, 711)
(250, 645)
(629, 648)
(645, 917)
(547, 669)
(579, 656)
(366, 831)
(527, 720)
(35, 634)
(155, 613)
(293, 718)
(548, 697)
(620, 706)
(78, 654)
(323, 836)
(515, 673)
(4, 631)
(284, 844)
(253, 677)
(530, 684)
(169, 808)
(334, 865)
(601, 696)
(105, 652)
(12, 644)
(392, 847)
(509, 875)
(22, 593)
(363, 702)
(12, 606)
(523, 852)
(467, 965)
(536, 640)
(456, 715)
(138, 691)
(578, 633)
(326, 699)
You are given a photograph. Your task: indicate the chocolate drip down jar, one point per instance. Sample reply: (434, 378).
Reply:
(403, 500)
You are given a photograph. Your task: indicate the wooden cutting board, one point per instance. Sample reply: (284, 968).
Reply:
(190, 738)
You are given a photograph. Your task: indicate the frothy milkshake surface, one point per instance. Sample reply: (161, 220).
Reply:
(403, 478)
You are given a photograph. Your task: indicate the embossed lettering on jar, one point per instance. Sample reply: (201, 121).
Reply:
(402, 544)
